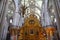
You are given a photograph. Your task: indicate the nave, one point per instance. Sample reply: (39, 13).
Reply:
(30, 20)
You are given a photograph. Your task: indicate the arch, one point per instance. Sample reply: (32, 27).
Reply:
(35, 13)
(35, 6)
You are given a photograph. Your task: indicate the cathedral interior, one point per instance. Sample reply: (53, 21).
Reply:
(29, 19)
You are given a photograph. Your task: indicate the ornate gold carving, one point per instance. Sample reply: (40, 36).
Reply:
(32, 31)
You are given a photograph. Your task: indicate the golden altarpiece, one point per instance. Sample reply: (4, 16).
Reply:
(32, 29)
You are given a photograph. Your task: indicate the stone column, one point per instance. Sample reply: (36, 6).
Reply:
(1, 9)
(46, 14)
(47, 20)
(58, 3)
(57, 12)
(16, 19)
(16, 14)
(4, 24)
(42, 16)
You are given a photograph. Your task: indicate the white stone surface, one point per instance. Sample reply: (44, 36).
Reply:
(16, 14)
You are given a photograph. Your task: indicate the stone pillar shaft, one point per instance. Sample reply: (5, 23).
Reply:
(16, 14)
(57, 12)
(4, 24)
(45, 14)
